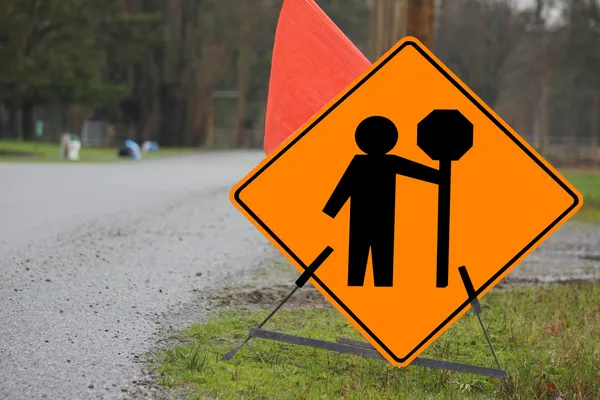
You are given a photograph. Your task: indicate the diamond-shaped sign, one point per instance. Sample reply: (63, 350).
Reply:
(408, 176)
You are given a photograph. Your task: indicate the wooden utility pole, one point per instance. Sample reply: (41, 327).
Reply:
(391, 20)
(421, 20)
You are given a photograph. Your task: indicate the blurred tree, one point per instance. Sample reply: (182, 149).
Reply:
(153, 65)
(53, 48)
(149, 64)
(476, 38)
(582, 59)
(352, 17)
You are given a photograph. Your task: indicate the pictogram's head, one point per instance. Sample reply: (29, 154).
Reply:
(376, 135)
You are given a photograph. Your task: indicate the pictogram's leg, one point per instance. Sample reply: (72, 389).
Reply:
(382, 254)
(300, 282)
(358, 255)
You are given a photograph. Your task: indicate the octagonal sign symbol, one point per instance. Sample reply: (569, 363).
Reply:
(409, 177)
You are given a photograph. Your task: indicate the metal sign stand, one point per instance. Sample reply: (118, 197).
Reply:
(363, 349)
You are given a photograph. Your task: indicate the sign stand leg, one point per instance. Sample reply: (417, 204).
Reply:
(300, 282)
(476, 307)
(364, 349)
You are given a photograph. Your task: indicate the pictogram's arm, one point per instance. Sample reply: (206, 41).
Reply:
(341, 194)
(413, 169)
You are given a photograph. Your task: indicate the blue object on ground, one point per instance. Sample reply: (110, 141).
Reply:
(136, 154)
(150, 147)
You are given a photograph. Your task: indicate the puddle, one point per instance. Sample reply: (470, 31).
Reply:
(590, 257)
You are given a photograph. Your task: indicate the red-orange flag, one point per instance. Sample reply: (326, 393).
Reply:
(313, 61)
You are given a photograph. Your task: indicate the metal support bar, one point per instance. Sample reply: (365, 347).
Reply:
(431, 363)
(316, 343)
(357, 343)
(476, 307)
(489, 341)
(370, 352)
(312, 268)
(300, 282)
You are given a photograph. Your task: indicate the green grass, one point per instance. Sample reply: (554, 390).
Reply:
(16, 151)
(587, 182)
(547, 338)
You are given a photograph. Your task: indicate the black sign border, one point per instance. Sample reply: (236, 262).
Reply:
(238, 192)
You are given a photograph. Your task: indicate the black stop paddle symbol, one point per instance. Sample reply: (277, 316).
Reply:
(445, 136)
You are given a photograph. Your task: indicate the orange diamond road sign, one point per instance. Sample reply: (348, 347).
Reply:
(408, 176)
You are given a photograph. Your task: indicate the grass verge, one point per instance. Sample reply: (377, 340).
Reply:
(15, 151)
(547, 338)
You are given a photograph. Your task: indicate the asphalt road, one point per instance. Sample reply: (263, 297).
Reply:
(97, 258)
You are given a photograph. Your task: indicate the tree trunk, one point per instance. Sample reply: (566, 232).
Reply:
(594, 126)
(420, 20)
(389, 24)
(373, 4)
(243, 65)
(152, 117)
(381, 28)
(200, 120)
(190, 110)
(27, 121)
(2, 120)
(13, 121)
(400, 20)
(544, 134)
(210, 129)
(173, 39)
(199, 127)
(192, 42)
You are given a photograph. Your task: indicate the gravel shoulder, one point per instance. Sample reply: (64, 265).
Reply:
(90, 277)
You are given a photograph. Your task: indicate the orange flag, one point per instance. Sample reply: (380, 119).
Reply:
(313, 61)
